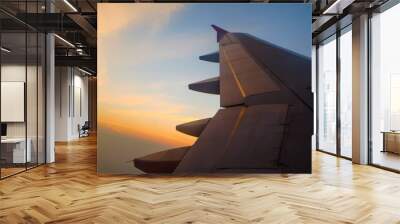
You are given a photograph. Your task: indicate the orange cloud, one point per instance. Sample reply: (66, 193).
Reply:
(148, 116)
(113, 18)
(122, 107)
(140, 102)
(156, 126)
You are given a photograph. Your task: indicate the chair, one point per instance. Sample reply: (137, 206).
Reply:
(84, 130)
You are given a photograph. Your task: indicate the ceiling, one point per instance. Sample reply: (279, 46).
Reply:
(73, 21)
(332, 15)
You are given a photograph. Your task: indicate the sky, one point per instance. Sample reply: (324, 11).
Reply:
(148, 54)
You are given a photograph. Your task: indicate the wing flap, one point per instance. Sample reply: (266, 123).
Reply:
(212, 57)
(210, 86)
(193, 128)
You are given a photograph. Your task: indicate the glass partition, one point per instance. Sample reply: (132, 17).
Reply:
(327, 95)
(22, 92)
(13, 94)
(313, 88)
(385, 89)
(346, 92)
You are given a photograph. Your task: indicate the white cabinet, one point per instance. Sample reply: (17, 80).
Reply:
(17, 146)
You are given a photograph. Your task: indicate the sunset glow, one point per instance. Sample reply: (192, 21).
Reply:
(148, 55)
(156, 126)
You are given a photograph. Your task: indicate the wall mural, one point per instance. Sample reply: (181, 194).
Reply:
(157, 109)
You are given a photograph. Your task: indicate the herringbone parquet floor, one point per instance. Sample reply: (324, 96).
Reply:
(69, 191)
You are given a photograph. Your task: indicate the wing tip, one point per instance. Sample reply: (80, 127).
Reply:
(218, 29)
(220, 32)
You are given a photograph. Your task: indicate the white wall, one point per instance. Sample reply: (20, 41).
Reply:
(80, 109)
(12, 73)
(62, 82)
(71, 102)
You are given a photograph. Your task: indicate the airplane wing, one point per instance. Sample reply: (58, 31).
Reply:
(251, 67)
(265, 123)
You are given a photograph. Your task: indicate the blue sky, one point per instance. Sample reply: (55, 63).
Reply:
(148, 54)
(287, 25)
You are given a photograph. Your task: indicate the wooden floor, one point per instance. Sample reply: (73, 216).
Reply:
(387, 159)
(5, 172)
(69, 191)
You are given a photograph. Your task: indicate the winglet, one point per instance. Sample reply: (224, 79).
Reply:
(220, 32)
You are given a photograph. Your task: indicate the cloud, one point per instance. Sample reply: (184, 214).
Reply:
(145, 45)
(151, 116)
(154, 125)
(135, 46)
(113, 18)
(154, 48)
(143, 103)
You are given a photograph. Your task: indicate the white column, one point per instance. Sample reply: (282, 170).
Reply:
(50, 92)
(360, 89)
(50, 99)
(63, 99)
